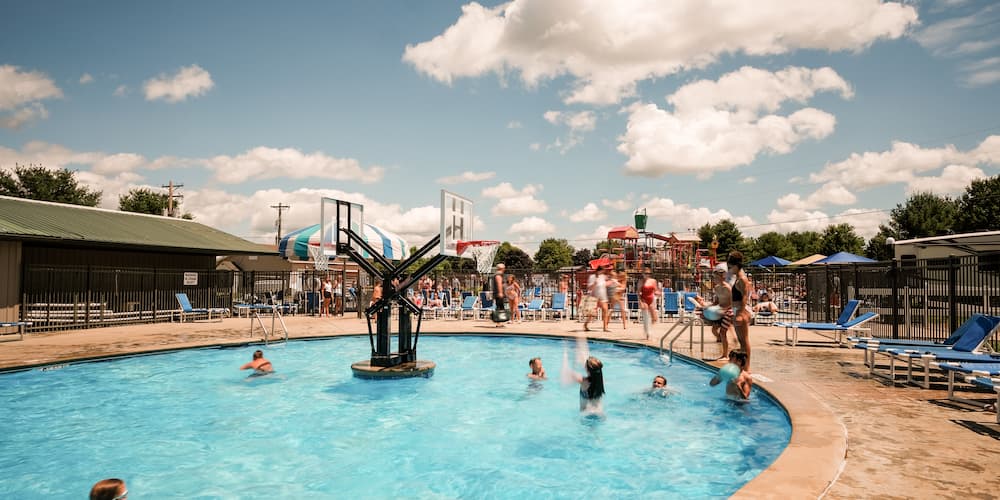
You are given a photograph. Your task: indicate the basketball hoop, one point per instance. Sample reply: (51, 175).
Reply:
(321, 261)
(484, 251)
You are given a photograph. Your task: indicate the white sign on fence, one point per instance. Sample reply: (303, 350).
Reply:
(190, 279)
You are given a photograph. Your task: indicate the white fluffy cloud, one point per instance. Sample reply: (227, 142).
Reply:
(865, 221)
(830, 193)
(189, 81)
(21, 96)
(578, 123)
(514, 124)
(270, 163)
(86, 78)
(682, 216)
(512, 201)
(532, 225)
(588, 213)
(623, 204)
(953, 179)
(717, 125)
(118, 163)
(966, 38)
(120, 91)
(467, 176)
(607, 47)
(249, 215)
(904, 161)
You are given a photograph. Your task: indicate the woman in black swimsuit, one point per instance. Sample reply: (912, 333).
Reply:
(741, 312)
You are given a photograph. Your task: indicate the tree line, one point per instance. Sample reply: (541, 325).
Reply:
(35, 182)
(921, 215)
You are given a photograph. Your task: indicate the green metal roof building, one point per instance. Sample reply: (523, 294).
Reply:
(63, 255)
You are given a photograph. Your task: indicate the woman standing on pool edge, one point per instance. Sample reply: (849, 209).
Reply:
(741, 295)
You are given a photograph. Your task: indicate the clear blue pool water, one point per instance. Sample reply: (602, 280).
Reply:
(189, 424)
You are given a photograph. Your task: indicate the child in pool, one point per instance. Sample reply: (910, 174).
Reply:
(739, 387)
(537, 371)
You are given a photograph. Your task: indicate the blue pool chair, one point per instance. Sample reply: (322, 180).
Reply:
(979, 374)
(534, 308)
(468, 307)
(671, 304)
(965, 350)
(188, 311)
(838, 327)
(558, 306)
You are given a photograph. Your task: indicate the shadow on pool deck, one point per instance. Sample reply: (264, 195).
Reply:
(901, 442)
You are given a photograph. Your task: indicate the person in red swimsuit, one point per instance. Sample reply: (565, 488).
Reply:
(647, 297)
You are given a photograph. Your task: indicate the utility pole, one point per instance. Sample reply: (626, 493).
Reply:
(170, 197)
(281, 208)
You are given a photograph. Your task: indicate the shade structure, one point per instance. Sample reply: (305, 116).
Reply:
(623, 233)
(808, 260)
(601, 262)
(295, 245)
(844, 258)
(770, 261)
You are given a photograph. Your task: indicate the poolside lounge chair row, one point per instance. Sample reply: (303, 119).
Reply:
(479, 307)
(962, 356)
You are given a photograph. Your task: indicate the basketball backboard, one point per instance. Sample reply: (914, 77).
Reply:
(456, 222)
(335, 216)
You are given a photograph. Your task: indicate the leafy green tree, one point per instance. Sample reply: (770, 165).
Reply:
(922, 215)
(771, 243)
(582, 257)
(513, 257)
(143, 201)
(36, 182)
(552, 254)
(841, 238)
(877, 248)
(979, 206)
(729, 236)
(806, 243)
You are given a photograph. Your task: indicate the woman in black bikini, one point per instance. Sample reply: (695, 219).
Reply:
(741, 312)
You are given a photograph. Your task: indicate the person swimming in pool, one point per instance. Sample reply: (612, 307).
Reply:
(591, 386)
(259, 364)
(737, 389)
(537, 371)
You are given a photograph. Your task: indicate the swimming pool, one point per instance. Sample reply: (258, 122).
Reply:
(189, 424)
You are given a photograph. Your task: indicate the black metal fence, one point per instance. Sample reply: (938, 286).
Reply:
(915, 299)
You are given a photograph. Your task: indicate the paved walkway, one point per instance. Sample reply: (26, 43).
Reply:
(902, 442)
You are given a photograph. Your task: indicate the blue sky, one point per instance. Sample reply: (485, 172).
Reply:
(558, 117)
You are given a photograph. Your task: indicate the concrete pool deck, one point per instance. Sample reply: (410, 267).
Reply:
(853, 437)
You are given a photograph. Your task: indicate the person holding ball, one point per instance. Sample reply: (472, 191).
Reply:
(724, 300)
(735, 375)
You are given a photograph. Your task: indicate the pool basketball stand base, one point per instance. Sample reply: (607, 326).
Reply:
(419, 368)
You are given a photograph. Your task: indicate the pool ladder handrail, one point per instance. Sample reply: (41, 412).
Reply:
(686, 323)
(275, 313)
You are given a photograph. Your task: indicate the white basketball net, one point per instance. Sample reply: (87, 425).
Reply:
(321, 261)
(484, 254)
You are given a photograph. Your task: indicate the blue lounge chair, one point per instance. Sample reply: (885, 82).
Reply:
(558, 306)
(839, 327)
(468, 306)
(187, 310)
(486, 304)
(535, 307)
(632, 299)
(671, 304)
(966, 349)
(979, 374)
(989, 383)
(872, 345)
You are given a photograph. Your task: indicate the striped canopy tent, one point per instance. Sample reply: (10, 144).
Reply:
(295, 245)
